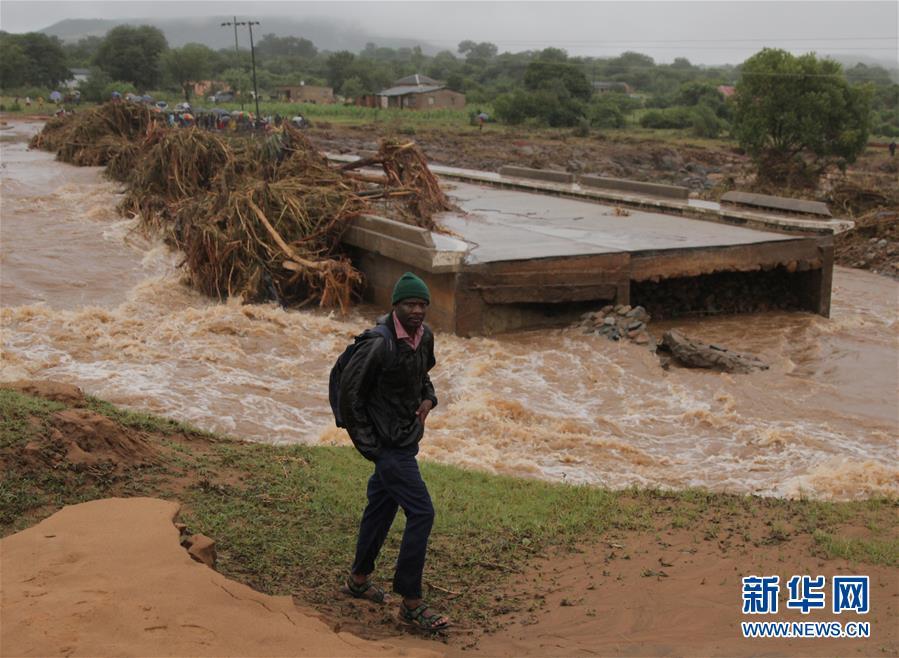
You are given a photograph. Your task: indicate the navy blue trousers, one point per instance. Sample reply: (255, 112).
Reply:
(396, 483)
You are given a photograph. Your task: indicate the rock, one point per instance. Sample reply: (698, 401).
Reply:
(694, 354)
(638, 313)
(202, 549)
(609, 321)
(605, 310)
(623, 310)
(693, 182)
(634, 325)
(696, 168)
(642, 338)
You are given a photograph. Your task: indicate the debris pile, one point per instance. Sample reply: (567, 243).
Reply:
(618, 322)
(256, 218)
(694, 354)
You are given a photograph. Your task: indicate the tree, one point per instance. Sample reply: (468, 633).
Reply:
(352, 88)
(94, 88)
(553, 66)
(35, 59)
(81, 53)
(133, 54)
(187, 66)
(339, 65)
(796, 116)
(482, 51)
(274, 46)
(13, 64)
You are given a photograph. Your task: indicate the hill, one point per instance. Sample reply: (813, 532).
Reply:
(325, 34)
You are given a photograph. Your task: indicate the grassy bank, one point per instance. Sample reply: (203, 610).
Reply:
(284, 518)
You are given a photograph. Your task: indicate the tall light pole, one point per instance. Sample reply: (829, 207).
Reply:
(236, 47)
(250, 25)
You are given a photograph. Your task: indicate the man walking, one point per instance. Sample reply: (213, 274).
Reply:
(385, 397)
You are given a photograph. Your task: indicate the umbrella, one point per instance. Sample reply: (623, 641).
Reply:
(55, 96)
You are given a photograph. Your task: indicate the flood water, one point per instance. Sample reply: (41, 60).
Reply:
(89, 300)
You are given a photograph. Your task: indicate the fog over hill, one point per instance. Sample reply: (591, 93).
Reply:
(325, 34)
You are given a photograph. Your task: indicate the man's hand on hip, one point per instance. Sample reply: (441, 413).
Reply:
(423, 410)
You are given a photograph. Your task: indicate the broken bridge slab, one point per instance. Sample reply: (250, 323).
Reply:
(516, 259)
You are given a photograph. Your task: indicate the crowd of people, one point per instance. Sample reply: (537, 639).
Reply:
(183, 115)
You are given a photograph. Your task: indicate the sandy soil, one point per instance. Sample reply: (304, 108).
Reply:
(109, 577)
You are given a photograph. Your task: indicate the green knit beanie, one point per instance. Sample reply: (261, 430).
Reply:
(408, 286)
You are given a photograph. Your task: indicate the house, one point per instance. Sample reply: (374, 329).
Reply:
(305, 94)
(78, 76)
(605, 87)
(203, 87)
(726, 90)
(419, 92)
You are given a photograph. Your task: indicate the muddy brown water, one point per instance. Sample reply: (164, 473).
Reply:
(86, 298)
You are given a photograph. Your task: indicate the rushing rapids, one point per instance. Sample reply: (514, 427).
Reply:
(88, 299)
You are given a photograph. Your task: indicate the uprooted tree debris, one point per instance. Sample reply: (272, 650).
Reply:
(255, 217)
(694, 354)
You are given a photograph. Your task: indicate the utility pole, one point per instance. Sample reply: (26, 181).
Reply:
(250, 25)
(235, 23)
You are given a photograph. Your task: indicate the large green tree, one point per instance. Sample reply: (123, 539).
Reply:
(133, 54)
(188, 65)
(13, 63)
(32, 59)
(796, 116)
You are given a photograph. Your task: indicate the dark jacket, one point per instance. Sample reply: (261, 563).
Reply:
(380, 392)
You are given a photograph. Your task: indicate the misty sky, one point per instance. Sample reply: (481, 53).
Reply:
(710, 32)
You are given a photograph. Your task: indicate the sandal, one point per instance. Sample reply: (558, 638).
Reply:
(417, 617)
(366, 590)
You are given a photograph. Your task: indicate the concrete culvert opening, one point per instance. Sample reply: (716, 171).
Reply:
(729, 293)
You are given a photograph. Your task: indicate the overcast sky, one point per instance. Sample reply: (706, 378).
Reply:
(711, 32)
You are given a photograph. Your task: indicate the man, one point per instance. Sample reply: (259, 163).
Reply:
(385, 398)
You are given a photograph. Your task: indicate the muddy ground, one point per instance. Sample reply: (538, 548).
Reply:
(867, 192)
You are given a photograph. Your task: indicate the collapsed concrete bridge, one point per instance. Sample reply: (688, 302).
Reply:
(526, 252)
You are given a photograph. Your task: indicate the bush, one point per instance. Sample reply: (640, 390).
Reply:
(548, 107)
(705, 122)
(119, 86)
(510, 108)
(672, 117)
(582, 129)
(887, 130)
(604, 114)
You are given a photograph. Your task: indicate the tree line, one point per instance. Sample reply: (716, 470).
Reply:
(787, 111)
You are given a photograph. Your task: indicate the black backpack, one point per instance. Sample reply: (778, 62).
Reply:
(344, 359)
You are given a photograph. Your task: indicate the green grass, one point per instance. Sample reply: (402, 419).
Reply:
(352, 114)
(285, 518)
(873, 551)
(23, 417)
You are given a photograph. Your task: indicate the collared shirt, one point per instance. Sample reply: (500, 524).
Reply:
(402, 334)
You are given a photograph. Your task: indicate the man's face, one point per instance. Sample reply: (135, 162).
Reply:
(411, 313)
